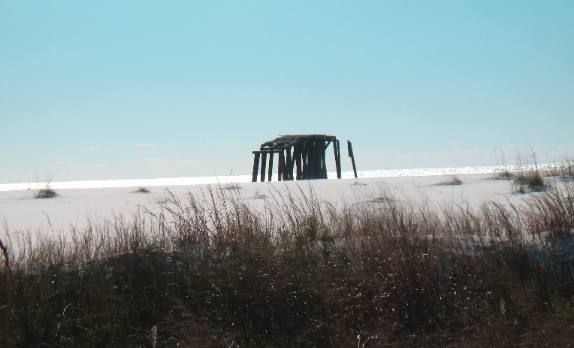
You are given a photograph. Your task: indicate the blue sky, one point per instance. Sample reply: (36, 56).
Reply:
(137, 89)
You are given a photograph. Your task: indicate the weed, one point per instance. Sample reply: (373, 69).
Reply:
(453, 181)
(142, 189)
(45, 193)
(505, 175)
(529, 181)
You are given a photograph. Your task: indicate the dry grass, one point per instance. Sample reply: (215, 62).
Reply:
(45, 193)
(209, 271)
(504, 174)
(563, 170)
(529, 181)
(453, 181)
(142, 189)
(528, 177)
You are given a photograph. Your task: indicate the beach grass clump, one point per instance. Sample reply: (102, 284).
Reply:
(565, 170)
(504, 174)
(46, 192)
(529, 181)
(455, 180)
(142, 189)
(210, 271)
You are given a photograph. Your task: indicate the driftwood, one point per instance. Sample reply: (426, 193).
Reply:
(302, 155)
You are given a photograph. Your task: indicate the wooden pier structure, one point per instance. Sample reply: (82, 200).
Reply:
(300, 157)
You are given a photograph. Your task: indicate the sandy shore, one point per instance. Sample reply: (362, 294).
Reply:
(19, 210)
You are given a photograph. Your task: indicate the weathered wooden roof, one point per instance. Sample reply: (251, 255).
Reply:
(286, 141)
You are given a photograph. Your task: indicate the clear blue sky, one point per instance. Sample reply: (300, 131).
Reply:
(136, 89)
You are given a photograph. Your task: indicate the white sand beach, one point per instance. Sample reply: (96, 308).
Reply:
(20, 211)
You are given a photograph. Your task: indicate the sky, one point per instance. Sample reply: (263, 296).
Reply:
(144, 89)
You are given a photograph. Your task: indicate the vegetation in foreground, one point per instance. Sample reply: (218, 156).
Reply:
(212, 272)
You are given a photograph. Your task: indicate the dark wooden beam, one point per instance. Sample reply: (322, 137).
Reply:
(304, 160)
(263, 165)
(316, 160)
(337, 150)
(256, 156)
(297, 155)
(350, 148)
(289, 165)
(323, 161)
(270, 171)
(281, 166)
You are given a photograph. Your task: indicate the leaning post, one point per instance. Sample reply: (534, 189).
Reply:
(350, 148)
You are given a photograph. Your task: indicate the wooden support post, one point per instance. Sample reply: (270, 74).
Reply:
(293, 162)
(263, 165)
(270, 171)
(350, 148)
(323, 161)
(308, 167)
(255, 166)
(316, 160)
(337, 151)
(304, 156)
(289, 165)
(310, 159)
(313, 161)
(281, 165)
(297, 155)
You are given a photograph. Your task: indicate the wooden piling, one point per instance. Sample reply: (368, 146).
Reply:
(288, 173)
(281, 165)
(350, 148)
(323, 161)
(263, 165)
(337, 150)
(304, 156)
(312, 161)
(297, 155)
(256, 156)
(270, 171)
